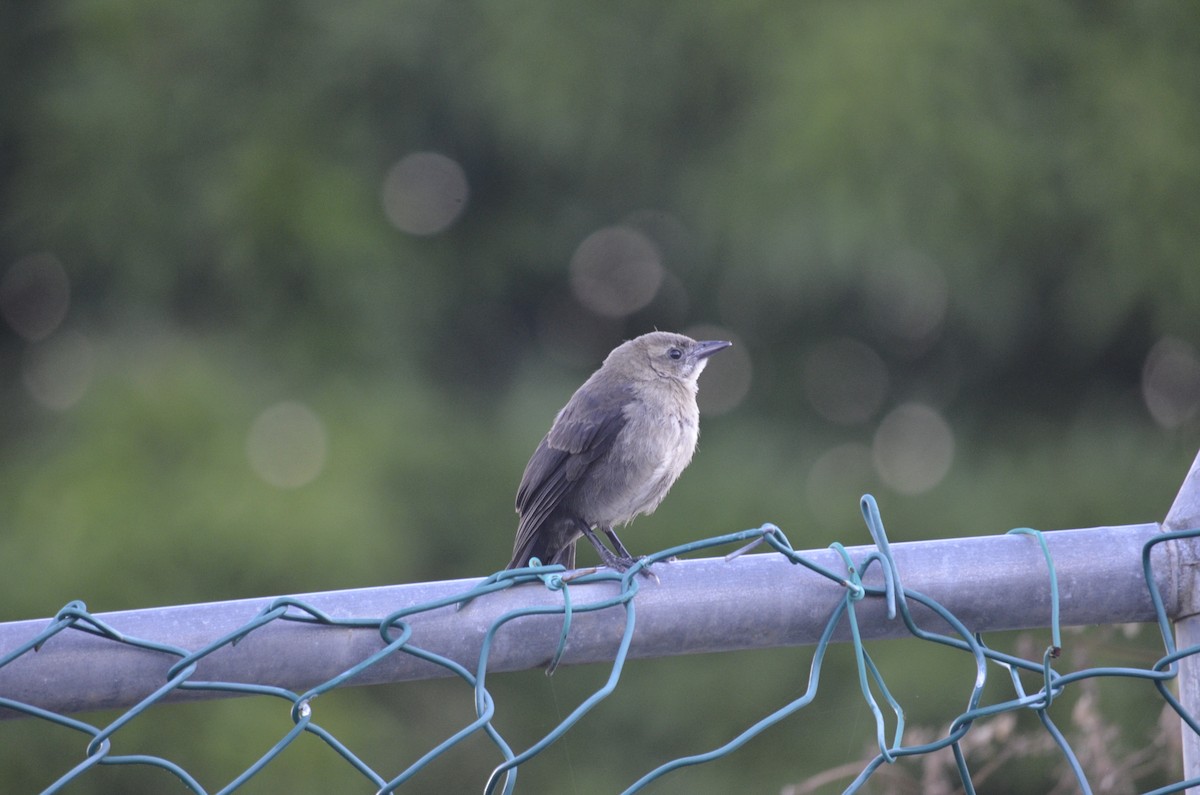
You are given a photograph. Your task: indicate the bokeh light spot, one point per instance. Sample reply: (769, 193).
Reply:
(1171, 382)
(913, 448)
(838, 478)
(845, 381)
(286, 445)
(616, 271)
(57, 372)
(34, 295)
(424, 193)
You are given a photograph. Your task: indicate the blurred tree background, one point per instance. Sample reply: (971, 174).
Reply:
(290, 292)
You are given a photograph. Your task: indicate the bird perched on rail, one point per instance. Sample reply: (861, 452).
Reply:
(613, 451)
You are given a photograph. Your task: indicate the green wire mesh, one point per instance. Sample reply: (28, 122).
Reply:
(396, 637)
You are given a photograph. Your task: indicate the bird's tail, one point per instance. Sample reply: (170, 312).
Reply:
(549, 545)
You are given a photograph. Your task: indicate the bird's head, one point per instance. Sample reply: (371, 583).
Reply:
(663, 354)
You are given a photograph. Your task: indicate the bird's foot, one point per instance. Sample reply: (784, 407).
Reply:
(648, 574)
(624, 564)
(620, 560)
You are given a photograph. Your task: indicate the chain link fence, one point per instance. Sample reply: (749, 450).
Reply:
(948, 593)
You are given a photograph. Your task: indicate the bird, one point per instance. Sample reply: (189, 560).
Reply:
(613, 451)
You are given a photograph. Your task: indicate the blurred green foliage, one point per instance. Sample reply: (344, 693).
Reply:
(999, 200)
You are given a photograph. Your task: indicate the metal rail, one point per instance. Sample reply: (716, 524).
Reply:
(704, 605)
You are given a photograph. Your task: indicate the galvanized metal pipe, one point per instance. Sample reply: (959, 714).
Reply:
(755, 601)
(1185, 515)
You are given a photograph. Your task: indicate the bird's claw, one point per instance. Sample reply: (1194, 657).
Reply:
(624, 564)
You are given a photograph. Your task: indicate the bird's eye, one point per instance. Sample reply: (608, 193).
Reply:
(675, 353)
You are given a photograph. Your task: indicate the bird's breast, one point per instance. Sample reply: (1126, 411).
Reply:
(656, 446)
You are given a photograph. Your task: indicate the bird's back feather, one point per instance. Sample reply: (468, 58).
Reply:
(583, 432)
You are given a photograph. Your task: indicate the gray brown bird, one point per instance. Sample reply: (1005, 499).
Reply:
(613, 451)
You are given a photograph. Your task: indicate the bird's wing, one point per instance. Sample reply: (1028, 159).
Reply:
(583, 432)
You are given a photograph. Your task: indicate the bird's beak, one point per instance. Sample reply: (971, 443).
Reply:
(707, 348)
